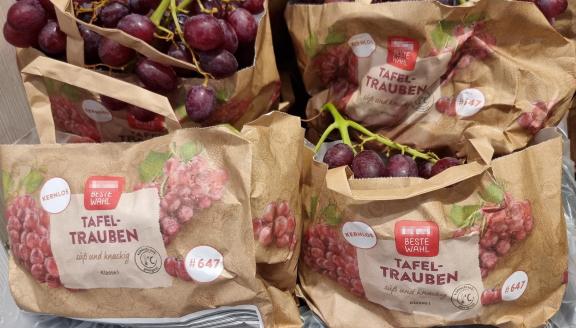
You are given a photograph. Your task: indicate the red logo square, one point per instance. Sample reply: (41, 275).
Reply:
(103, 193)
(417, 238)
(403, 52)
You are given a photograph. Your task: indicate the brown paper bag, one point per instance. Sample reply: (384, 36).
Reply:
(246, 95)
(482, 243)
(430, 75)
(152, 222)
(69, 99)
(275, 196)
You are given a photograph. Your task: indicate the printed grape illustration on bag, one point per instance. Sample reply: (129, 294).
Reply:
(435, 81)
(408, 251)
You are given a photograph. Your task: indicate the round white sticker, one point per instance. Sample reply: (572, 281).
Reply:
(469, 102)
(359, 234)
(362, 44)
(204, 263)
(55, 195)
(514, 286)
(96, 111)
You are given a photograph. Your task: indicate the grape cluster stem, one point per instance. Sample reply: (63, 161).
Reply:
(156, 18)
(343, 124)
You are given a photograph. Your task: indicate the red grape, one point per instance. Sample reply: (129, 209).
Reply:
(425, 169)
(253, 6)
(51, 40)
(111, 14)
(26, 17)
(200, 102)
(400, 165)
(113, 53)
(339, 155)
(143, 7)
(211, 7)
(203, 32)
(19, 39)
(368, 164)
(444, 164)
(552, 8)
(244, 24)
(138, 26)
(179, 52)
(219, 63)
(49, 8)
(156, 77)
(230, 38)
(91, 42)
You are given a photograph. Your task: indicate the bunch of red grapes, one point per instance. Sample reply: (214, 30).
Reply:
(189, 187)
(371, 164)
(535, 120)
(276, 226)
(69, 118)
(324, 251)
(218, 36)
(176, 267)
(506, 224)
(28, 227)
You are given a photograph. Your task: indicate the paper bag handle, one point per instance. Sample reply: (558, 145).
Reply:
(34, 63)
(480, 155)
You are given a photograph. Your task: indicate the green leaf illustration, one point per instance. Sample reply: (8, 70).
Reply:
(473, 18)
(335, 38)
(313, 206)
(331, 215)
(493, 194)
(189, 150)
(7, 182)
(463, 216)
(32, 181)
(442, 34)
(73, 93)
(152, 166)
(222, 95)
(311, 45)
(50, 87)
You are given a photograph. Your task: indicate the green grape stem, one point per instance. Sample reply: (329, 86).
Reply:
(184, 4)
(343, 124)
(158, 13)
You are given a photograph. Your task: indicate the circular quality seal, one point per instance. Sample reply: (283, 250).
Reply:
(147, 259)
(465, 297)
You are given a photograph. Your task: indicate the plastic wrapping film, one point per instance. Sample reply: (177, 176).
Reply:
(566, 316)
